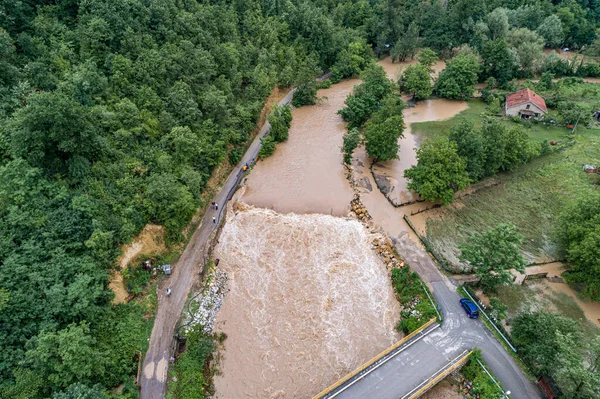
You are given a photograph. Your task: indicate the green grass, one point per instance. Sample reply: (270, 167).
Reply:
(531, 197)
(483, 385)
(537, 132)
(410, 292)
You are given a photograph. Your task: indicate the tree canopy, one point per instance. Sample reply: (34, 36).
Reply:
(439, 173)
(493, 254)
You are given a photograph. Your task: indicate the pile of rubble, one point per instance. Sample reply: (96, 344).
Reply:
(206, 305)
(385, 250)
(466, 387)
(357, 207)
(409, 308)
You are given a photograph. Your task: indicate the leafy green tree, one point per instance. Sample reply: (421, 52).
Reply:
(457, 81)
(497, 23)
(169, 202)
(470, 147)
(499, 61)
(552, 31)
(439, 173)
(546, 80)
(572, 112)
(50, 131)
(280, 120)
(427, 57)
(384, 129)
(416, 80)
(406, 46)
(579, 236)
(80, 391)
(66, 356)
(577, 371)
(495, 143)
(529, 47)
(267, 147)
(305, 94)
(535, 335)
(353, 60)
(518, 150)
(27, 385)
(493, 254)
(351, 142)
(365, 97)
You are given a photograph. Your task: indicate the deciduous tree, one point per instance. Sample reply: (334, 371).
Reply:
(416, 80)
(439, 172)
(493, 254)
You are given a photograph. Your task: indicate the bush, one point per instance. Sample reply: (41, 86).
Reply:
(411, 294)
(235, 156)
(305, 94)
(267, 147)
(193, 371)
(136, 279)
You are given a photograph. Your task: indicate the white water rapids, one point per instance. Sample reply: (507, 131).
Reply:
(309, 301)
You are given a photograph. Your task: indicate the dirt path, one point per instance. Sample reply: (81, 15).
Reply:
(185, 274)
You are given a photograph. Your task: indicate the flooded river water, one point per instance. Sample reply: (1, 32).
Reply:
(309, 300)
(305, 174)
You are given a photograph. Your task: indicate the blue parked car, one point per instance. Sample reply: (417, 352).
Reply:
(470, 308)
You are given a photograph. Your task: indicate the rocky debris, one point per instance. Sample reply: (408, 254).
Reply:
(208, 303)
(381, 244)
(357, 207)
(466, 387)
(409, 308)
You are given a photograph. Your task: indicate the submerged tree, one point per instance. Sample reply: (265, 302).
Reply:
(416, 81)
(384, 129)
(493, 254)
(439, 172)
(351, 142)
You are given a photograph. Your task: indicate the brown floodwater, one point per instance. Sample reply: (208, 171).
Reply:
(590, 308)
(306, 174)
(309, 300)
(423, 111)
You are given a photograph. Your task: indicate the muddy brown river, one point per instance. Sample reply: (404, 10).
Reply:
(309, 300)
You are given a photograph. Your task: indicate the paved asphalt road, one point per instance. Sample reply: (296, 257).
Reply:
(458, 333)
(185, 273)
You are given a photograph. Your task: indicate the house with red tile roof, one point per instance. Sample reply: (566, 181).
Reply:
(525, 104)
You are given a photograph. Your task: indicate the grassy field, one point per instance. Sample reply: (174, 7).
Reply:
(537, 132)
(531, 197)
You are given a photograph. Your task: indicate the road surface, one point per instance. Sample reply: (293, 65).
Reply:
(458, 333)
(185, 273)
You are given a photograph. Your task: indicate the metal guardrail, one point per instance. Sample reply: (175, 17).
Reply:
(490, 320)
(438, 376)
(330, 392)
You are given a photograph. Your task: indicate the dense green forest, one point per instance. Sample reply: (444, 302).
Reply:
(114, 113)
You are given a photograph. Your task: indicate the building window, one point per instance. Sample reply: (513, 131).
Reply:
(528, 106)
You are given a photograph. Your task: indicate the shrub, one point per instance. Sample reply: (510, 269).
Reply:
(267, 147)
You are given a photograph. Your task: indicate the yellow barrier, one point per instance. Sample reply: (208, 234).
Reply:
(439, 377)
(373, 360)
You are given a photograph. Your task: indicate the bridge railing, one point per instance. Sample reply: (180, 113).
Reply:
(439, 375)
(327, 391)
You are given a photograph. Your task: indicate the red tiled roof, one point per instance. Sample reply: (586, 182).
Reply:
(523, 96)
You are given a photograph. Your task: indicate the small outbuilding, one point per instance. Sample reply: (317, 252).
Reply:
(525, 104)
